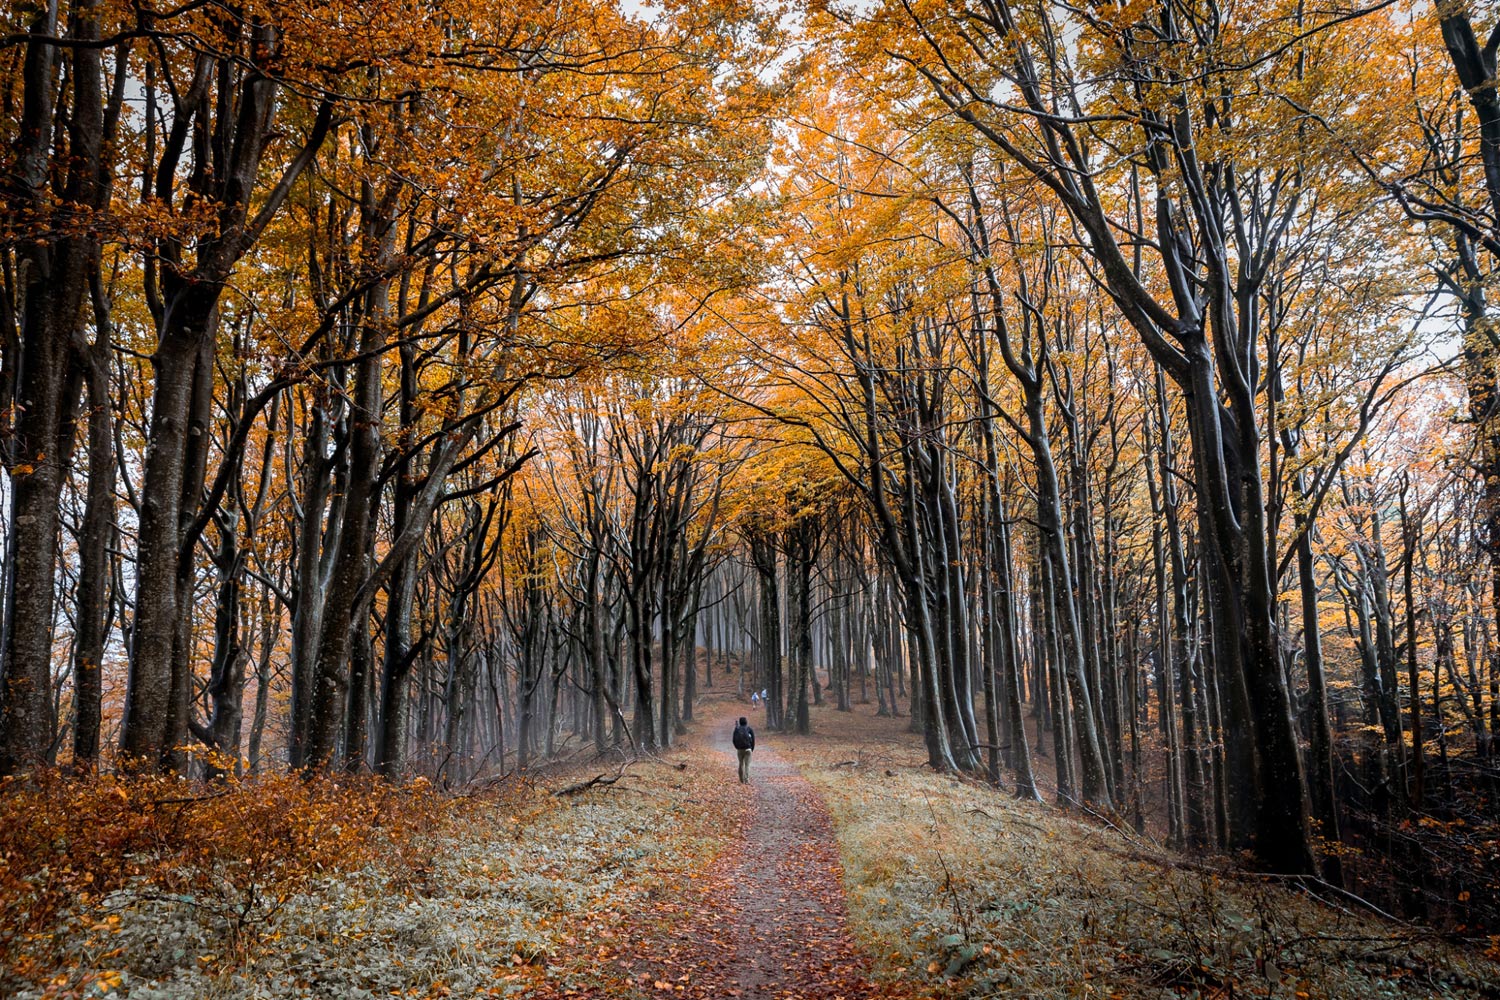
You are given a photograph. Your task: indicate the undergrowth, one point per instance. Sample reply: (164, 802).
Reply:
(275, 887)
(967, 889)
(153, 888)
(84, 860)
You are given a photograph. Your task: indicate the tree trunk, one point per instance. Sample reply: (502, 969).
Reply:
(47, 382)
(94, 540)
(150, 715)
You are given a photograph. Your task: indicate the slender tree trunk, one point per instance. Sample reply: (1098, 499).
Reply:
(94, 540)
(268, 620)
(309, 589)
(1320, 771)
(226, 683)
(1411, 530)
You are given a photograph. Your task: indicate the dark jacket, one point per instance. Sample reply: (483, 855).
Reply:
(743, 738)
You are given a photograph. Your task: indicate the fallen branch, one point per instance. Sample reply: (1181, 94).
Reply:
(598, 780)
(188, 800)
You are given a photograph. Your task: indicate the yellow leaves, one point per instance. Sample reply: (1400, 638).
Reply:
(108, 980)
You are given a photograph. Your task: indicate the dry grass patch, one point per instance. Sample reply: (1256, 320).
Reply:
(962, 887)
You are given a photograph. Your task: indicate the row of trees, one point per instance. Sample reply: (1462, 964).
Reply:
(1110, 390)
(1110, 318)
(275, 280)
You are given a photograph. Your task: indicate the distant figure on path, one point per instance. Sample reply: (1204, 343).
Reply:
(754, 699)
(744, 742)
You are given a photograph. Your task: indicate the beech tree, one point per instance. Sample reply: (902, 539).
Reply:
(433, 390)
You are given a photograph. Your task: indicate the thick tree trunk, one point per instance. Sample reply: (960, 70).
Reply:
(1261, 750)
(356, 724)
(180, 718)
(350, 568)
(639, 630)
(395, 705)
(147, 730)
(26, 718)
(55, 280)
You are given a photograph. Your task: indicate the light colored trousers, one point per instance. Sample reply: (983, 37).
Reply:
(744, 764)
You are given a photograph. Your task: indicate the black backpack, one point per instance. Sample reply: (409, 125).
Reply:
(743, 738)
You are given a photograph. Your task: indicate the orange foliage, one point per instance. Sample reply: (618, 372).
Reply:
(238, 849)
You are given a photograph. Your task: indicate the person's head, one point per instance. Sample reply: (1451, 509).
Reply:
(743, 722)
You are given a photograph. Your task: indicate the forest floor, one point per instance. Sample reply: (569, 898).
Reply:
(974, 893)
(764, 917)
(845, 869)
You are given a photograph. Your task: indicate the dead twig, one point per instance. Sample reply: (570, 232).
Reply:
(188, 800)
(598, 780)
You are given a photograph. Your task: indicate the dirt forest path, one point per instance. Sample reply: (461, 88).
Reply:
(791, 933)
(766, 919)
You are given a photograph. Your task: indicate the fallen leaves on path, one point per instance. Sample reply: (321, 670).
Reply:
(762, 919)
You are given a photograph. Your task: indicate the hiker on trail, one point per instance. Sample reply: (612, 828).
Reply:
(754, 699)
(744, 742)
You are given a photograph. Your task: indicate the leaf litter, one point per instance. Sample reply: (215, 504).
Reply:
(965, 889)
(845, 870)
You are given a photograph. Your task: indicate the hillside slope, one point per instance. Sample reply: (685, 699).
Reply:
(967, 889)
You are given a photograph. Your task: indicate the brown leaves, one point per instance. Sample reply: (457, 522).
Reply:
(758, 911)
(238, 848)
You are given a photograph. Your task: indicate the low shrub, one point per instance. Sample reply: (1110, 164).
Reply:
(234, 849)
